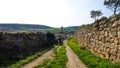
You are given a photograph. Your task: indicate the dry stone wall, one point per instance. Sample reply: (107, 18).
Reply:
(102, 38)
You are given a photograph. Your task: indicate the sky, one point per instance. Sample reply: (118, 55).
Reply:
(54, 13)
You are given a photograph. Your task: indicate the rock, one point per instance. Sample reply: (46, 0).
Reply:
(112, 57)
(107, 39)
(102, 37)
(113, 16)
(106, 34)
(116, 41)
(112, 34)
(113, 51)
(102, 56)
(107, 55)
(108, 50)
(115, 24)
(119, 34)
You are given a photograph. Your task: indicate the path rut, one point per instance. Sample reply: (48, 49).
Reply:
(73, 60)
(35, 62)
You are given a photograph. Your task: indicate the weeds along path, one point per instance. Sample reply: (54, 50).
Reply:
(73, 60)
(35, 62)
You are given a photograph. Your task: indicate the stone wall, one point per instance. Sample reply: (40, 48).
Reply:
(102, 38)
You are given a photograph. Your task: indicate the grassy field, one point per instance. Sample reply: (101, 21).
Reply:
(88, 58)
(59, 60)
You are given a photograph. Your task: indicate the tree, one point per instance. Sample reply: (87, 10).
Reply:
(114, 5)
(95, 14)
(50, 38)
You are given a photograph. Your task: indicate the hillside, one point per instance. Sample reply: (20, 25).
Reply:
(18, 27)
(71, 28)
(57, 30)
(29, 27)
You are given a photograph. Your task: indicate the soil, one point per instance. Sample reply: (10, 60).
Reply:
(73, 60)
(37, 61)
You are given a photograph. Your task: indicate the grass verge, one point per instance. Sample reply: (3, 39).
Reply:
(44, 63)
(59, 60)
(88, 58)
(28, 59)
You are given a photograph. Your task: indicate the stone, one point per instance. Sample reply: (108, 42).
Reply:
(107, 55)
(112, 33)
(102, 38)
(116, 41)
(107, 39)
(106, 34)
(112, 57)
(115, 24)
(102, 56)
(113, 51)
(112, 16)
(119, 34)
(118, 54)
(108, 50)
(113, 19)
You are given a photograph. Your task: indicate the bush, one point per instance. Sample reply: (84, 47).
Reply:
(19, 45)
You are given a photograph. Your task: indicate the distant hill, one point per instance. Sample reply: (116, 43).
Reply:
(27, 27)
(57, 30)
(71, 28)
(22, 27)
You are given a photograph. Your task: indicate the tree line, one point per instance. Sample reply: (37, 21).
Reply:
(17, 46)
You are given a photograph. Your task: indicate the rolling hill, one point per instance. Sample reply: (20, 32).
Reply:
(71, 28)
(28, 27)
(18, 27)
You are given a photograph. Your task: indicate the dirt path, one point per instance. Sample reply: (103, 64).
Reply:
(35, 62)
(73, 60)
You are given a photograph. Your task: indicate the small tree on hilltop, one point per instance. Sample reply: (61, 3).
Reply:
(96, 14)
(114, 5)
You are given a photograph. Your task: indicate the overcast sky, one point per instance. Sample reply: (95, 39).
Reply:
(55, 13)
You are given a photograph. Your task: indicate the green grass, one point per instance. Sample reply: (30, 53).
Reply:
(44, 63)
(59, 60)
(28, 59)
(88, 58)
